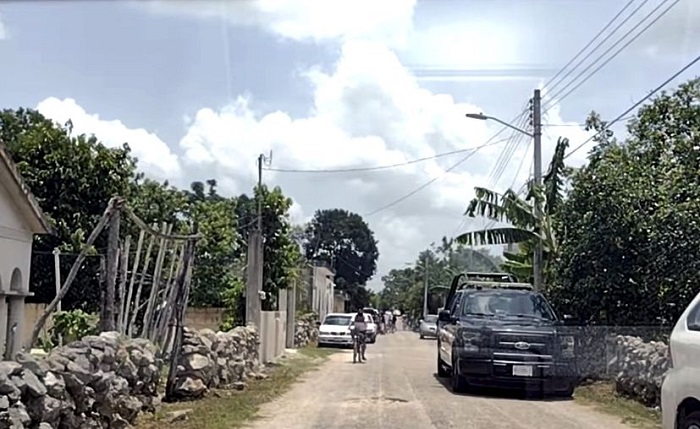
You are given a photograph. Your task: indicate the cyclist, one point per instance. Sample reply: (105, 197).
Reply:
(359, 327)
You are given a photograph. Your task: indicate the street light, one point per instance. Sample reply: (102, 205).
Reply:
(482, 117)
(537, 170)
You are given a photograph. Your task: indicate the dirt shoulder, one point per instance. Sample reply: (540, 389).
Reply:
(227, 409)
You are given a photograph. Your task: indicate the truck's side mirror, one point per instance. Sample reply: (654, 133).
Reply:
(444, 316)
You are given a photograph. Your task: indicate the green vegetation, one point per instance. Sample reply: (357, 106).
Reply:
(620, 234)
(602, 396)
(74, 176)
(229, 409)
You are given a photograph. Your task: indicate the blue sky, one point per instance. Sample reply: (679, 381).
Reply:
(198, 89)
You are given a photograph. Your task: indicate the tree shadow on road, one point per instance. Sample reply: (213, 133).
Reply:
(483, 392)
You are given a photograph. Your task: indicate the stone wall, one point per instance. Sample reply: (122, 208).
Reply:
(305, 330)
(217, 360)
(640, 368)
(97, 382)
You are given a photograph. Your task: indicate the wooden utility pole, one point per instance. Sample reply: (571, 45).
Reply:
(108, 313)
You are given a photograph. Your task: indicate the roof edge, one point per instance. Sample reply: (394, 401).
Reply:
(39, 214)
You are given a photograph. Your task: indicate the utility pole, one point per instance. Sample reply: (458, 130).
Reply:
(254, 269)
(261, 159)
(425, 286)
(537, 167)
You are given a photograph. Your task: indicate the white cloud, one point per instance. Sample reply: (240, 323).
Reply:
(386, 21)
(153, 154)
(369, 111)
(3, 29)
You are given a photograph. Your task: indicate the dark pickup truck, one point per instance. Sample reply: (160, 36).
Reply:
(503, 334)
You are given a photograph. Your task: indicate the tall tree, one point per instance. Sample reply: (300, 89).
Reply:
(629, 227)
(72, 178)
(345, 242)
(217, 265)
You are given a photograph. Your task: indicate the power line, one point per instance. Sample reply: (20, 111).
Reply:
(378, 167)
(602, 30)
(635, 105)
(508, 152)
(436, 178)
(613, 55)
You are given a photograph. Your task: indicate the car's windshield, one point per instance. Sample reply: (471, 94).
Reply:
(431, 318)
(506, 304)
(337, 320)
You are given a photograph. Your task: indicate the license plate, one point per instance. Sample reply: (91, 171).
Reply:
(522, 370)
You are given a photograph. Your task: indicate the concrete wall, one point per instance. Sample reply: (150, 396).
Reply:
(322, 290)
(273, 334)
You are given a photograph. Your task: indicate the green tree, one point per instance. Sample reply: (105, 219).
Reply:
(217, 267)
(629, 227)
(525, 225)
(72, 178)
(345, 242)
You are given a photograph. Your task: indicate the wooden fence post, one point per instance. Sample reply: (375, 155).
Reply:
(180, 307)
(107, 319)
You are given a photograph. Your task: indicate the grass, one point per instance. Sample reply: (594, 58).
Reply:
(602, 396)
(227, 409)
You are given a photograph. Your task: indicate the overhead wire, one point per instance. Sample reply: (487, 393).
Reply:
(602, 30)
(509, 152)
(500, 165)
(372, 168)
(635, 105)
(559, 81)
(436, 178)
(516, 138)
(558, 99)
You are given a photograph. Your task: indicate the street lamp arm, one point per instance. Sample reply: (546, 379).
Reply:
(482, 117)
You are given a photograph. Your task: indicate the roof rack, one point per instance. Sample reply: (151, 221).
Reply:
(475, 284)
(497, 277)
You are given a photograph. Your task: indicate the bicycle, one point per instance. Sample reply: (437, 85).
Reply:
(359, 346)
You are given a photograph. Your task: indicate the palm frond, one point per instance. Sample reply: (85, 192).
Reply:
(496, 236)
(516, 257)
(506, 207)
(553, 181)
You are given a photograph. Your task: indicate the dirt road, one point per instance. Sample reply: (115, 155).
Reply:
(397, 389)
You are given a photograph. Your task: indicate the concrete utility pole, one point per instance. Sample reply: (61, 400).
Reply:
(536, 116)
(537, 167)
(254, 269)
(425, 287)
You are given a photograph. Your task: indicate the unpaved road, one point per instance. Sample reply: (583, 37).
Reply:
(397, 389)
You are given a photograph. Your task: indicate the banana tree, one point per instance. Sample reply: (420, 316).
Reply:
(526, 227)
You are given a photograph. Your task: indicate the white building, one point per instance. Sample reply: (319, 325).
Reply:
(20, 218)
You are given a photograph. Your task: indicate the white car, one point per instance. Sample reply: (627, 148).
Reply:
(680, 392)
(335, 329)
(371, 329)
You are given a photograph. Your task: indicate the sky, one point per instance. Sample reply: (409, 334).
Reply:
(200, 88)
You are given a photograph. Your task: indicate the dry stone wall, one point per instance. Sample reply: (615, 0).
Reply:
(217, 360)
(98, 382)
(640, 368)
(306, 330)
